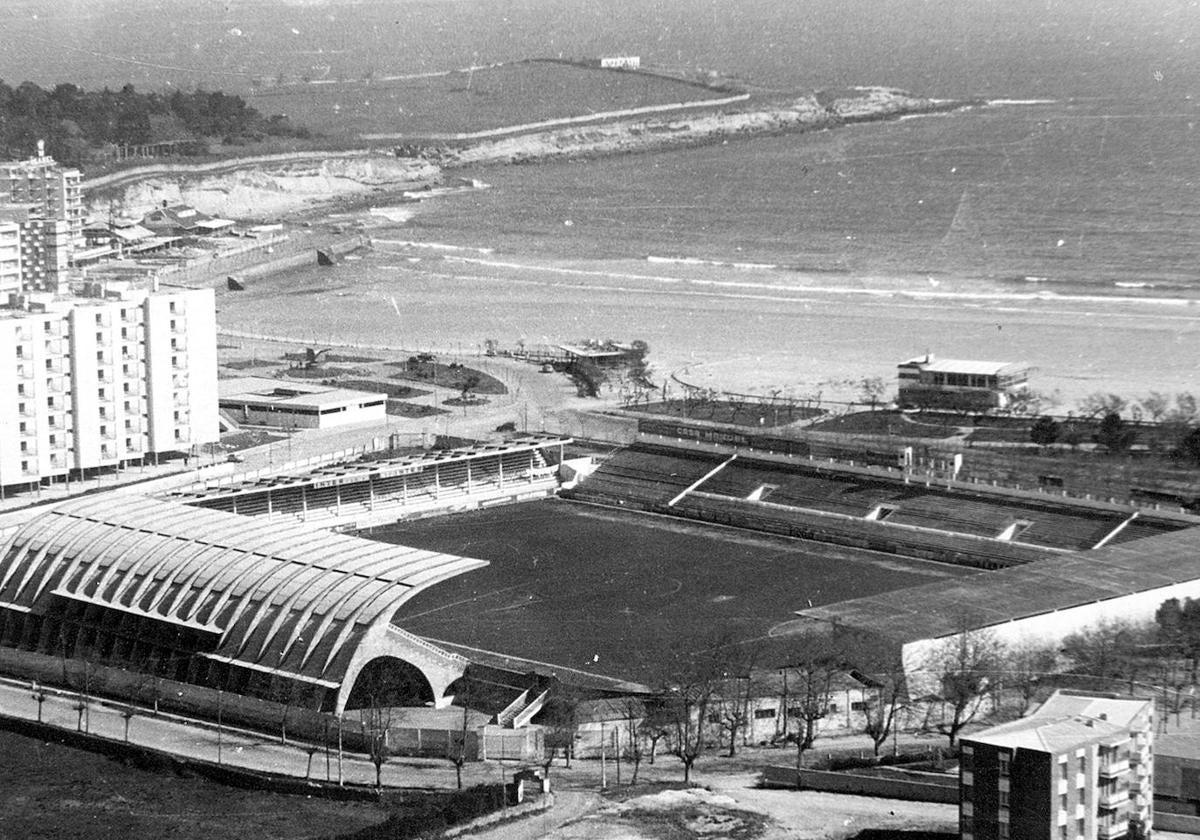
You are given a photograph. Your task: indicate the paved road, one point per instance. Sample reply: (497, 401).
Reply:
(203, 741)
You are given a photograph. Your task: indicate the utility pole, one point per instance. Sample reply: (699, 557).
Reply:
(220, 705)
(603, 768)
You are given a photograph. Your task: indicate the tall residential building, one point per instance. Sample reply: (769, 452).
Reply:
(1079, 768)
(10, 258)
(55, 191)
(105, 379)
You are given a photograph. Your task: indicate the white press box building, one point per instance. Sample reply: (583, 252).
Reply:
(103, 379)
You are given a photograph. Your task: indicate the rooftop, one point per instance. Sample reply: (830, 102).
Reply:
(1067, 721)
(290, 393)
(978, 368)
(988, 598)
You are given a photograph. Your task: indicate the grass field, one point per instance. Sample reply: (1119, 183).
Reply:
(608, 591)
(58, 793)
(493, 97)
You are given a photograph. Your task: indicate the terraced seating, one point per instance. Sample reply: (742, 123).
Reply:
(1142, 528)
(1070, 530)
(960, 514)
(641, 476)
(931, 545)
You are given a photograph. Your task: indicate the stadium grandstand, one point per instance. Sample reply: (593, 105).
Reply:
(1043, 601)
(203, 597)
(373, 491)
(864, 506)
(1050, 565)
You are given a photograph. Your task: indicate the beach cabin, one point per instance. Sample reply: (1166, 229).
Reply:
(959, 384)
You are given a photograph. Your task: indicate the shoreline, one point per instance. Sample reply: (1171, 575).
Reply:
(296, 184)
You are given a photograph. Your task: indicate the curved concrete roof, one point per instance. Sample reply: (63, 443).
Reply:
(273, 595)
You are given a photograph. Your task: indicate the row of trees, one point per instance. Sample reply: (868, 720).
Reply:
(76, 122)
(706, 698)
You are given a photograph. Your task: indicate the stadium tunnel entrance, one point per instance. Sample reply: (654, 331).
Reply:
(389, 681)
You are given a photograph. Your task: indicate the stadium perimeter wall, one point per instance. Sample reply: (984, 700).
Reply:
(1044, 629)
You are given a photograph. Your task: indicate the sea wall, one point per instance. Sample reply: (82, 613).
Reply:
(715, 124)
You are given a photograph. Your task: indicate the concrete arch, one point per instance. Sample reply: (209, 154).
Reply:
(389, 681)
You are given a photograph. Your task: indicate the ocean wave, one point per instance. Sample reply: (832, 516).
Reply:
(436, 246)
(1022, 102)
(749, 266)
(792, 291)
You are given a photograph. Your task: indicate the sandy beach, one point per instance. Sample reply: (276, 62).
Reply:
(720, 325)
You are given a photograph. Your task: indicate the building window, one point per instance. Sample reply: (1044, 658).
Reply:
(1002, 831)
(1003, 799)
(1003, 764)
(764, 714)
(171, 306)
(1079, 827)
(22, 427)
(49, 364)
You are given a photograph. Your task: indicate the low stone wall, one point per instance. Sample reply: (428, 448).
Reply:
(937, 788)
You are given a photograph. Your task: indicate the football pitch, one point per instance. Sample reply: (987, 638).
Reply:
(608, 591)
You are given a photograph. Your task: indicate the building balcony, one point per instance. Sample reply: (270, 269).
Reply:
(1110, 798)
(1112, 768)
(1112, 829)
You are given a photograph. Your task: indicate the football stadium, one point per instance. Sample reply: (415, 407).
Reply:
(537, 559)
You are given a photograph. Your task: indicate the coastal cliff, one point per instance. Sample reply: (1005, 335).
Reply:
(259, 188)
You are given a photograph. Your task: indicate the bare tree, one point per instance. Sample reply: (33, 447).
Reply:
(655, 725)
(634, 710)
(733, 698)
(871, 390)
(559, 720)
(1107, 651)
(814, 661)
(889, 699)
(1025, 668)
(692, 680)
(963, 669)
(1156, 405)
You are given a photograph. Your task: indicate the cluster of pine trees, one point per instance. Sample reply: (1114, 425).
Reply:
(79, 125)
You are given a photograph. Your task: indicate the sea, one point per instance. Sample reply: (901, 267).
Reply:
(1056, 221)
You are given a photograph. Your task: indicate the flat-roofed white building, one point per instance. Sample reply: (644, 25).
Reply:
(259, 401)
(55, 190)
(929, 382)
(1079, 767)
(105, 379)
